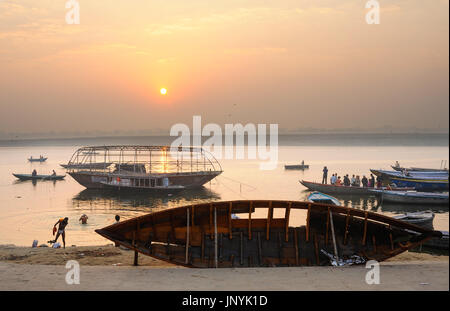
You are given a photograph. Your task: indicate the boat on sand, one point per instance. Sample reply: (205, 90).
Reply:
(206, 235)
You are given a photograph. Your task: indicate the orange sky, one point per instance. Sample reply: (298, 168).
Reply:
(302, 64)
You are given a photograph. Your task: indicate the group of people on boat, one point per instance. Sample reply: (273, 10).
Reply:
(356, 181)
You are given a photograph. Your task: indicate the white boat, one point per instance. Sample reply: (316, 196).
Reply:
(412, 197)
(319, 197)
(423, 219)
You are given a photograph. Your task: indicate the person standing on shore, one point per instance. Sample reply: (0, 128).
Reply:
(61, 230)
(325, 175)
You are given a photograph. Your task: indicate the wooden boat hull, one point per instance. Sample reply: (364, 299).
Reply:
(206, 235)
(87, 166)
(332, 189)
(37, 160)
(418, 169)
(296, 167)
(39, 177)
(94, 180)
(435, 183)
(414, 197)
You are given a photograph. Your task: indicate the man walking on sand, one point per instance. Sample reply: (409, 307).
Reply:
(325, 175)
(61, 230)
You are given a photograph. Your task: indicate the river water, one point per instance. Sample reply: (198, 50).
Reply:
(29, 210)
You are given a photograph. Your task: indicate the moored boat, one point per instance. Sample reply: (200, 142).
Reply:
(418, 169)
(335, 189)
(38, 177)
(419, 182)
(142, 167)
(296, 167)
(423, 219)
(41, 159)
(413, 197)
(206, 235)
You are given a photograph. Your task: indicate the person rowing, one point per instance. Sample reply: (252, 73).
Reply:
(61, 230)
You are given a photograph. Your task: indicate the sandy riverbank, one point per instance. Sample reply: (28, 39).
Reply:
(110, 268)
(108, 255)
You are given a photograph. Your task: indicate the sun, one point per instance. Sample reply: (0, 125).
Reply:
(163, 91)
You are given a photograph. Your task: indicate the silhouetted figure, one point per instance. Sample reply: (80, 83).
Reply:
(325, 175)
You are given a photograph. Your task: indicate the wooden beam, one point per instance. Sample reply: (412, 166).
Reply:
(308, 216)
(203, 247)
(230, 229)
(193, 212)
(296, 246)
(250, 220)
(316, 248)
(286, 219)
(259, 248)
(241, 257)
(215, 238)
(136, 260)
(333, 236)
(269, 219)
(365, 229)
(211, 221)
(347, 221)
(327, 226)
(187, 236)
(392, 241)
(374, 241)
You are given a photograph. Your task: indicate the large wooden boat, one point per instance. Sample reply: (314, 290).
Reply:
(418, 169)
(150, 168)
(335, 189)
(207, 235)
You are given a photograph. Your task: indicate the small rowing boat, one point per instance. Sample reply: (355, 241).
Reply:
(412, 197)
(319, 197)
(39, 177)
(335, 189)
(296, 167)
(206, 235)
(31, 159)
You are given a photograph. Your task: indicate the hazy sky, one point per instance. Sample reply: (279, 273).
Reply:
(297, 63)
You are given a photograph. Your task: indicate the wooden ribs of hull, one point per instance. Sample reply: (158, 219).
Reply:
(183, 235)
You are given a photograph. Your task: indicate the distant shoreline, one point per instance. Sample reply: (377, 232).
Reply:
(306, 139)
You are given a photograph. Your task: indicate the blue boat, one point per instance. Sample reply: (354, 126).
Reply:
(421, 183)
(319, 197)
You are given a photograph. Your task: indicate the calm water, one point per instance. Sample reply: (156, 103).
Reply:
(29, 210)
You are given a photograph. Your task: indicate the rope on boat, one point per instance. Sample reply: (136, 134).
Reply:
(239, 182)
